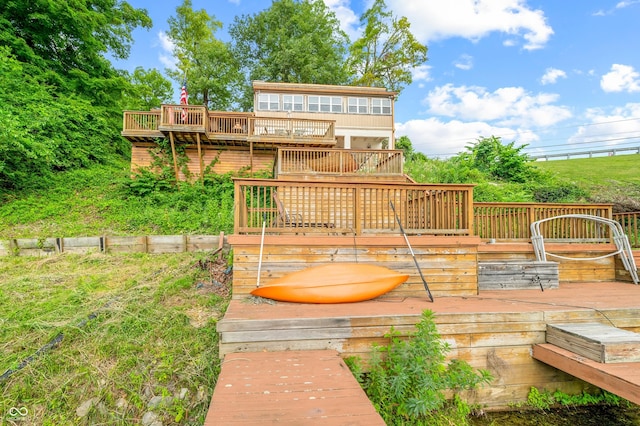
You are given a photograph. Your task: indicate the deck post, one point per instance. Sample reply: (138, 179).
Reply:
(175, 159)
(200, 157)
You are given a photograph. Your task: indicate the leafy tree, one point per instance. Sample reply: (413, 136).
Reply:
(204, 61)
(69, 40)
(500, 161)
(149, 89)
(293, 41)
(387, 51)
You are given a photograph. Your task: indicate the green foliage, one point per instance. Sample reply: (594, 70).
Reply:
(408, 378)
(293, 41)
(148, 89)
(206, 63)
(387, 52)
(545, 400)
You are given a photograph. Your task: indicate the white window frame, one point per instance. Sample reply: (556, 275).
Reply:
(294, 103)
(313, 103)
(336, 104)
(381, 106)
(358, 105)
(268, 102)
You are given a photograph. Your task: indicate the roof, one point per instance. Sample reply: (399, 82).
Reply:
(259, 85)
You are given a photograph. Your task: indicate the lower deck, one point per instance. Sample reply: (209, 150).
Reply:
(492, 329)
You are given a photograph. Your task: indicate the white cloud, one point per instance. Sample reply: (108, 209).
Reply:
(551, 76)
(435, 137)
(612, 127)
(464, 62)
(421, 73)
(619, 5)
(236, 2)
(621, 78)
(435, 20)
(507, 106)
(166, 55)
(349, 21)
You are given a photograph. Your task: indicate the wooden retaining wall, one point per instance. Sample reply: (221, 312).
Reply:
(448, 263)
(111, 244)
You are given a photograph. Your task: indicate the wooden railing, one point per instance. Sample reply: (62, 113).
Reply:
(196, 118)
(183, 117)
(351, 208)
(630, 223)
(141, 121)
(511, 221)
(339, 161)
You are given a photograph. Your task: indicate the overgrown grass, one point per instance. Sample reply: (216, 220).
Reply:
(103, 200)
(131, 326)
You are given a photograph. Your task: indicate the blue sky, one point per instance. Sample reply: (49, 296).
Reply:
(558, 75)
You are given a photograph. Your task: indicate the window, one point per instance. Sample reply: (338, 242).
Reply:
(292, 102)
(314, 103)
(336, 104)
(358, 106)
(268, 102)
(381, 106)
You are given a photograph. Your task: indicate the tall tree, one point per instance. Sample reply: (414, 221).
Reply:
(293, 41)
(387, 51)
(69, 40)
(148, 89)
(203, 60)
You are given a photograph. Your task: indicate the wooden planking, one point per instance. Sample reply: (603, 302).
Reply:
(596, 341)
(517, 275)
(289, 388)
(622, 379)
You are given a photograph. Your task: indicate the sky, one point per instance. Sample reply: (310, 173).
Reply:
(560, 76)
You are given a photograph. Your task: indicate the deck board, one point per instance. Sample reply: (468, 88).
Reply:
(289, 388)
(622, 379)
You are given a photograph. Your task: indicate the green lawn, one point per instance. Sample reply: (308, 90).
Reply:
(597, 171)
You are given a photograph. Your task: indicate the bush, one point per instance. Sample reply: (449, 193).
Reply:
(407, 379)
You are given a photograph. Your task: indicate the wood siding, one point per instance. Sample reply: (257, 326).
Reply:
(449, 264)
(225, 160)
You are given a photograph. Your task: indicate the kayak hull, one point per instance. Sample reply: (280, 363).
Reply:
(332, 283)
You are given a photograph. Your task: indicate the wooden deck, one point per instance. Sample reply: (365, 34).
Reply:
(494, 329)
(622, 379)
(289, 388)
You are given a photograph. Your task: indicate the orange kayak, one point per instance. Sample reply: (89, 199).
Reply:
(332, 283)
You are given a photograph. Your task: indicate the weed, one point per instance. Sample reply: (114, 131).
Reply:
(408, 380)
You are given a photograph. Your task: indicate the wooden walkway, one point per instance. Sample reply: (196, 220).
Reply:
(289, 388)
(622, 379)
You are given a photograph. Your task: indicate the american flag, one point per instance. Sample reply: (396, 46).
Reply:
(184, 100)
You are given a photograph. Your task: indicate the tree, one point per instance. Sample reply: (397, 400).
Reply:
(69, 40)
(387, 51)
(293, 41)
(148, 89)
(205, 62)
(500, 161)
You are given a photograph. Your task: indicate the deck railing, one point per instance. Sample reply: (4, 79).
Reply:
(183, 117)
(630, 223)
(141, 121)
(511, 221)
(340, 161)
(351, 208)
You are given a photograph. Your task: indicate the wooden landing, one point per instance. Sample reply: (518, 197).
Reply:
(289, 388)
(622, 379)
(596, 341)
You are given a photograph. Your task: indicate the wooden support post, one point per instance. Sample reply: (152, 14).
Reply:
(200, 157)
(175, 159)
(251, 157)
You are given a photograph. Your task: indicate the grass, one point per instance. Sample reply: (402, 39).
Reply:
(99, 201)
(597, 171)
(133, 327)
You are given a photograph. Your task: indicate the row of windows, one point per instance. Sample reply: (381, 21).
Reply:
(335, 104)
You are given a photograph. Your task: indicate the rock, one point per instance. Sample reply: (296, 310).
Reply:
(160, 401)
(122, 404)
(183, 393)
(85, 407)
(151, 419)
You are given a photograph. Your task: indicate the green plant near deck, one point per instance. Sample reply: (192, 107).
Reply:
(408, 380)
(544, 400)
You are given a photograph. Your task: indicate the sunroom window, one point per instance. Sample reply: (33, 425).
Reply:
(268, 102)
(358, 106)
(292, 103)
(381, 106)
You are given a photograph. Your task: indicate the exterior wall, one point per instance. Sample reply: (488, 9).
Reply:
(227, 160)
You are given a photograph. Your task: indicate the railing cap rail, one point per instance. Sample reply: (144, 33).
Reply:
(300, 182)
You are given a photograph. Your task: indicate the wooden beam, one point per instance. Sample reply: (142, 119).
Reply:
(200, 157)
(175, 159)
(622, 379)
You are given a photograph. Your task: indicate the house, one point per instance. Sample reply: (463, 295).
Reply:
(286, 115)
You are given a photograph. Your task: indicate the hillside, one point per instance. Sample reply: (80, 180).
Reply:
(608, 179)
